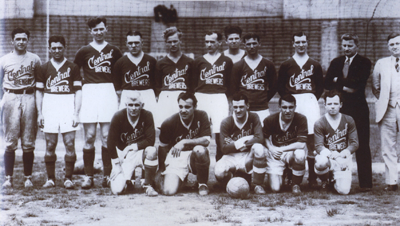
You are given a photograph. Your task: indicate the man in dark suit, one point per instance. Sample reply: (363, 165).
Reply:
(349, 75)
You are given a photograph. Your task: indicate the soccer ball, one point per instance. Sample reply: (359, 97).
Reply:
(238, 187)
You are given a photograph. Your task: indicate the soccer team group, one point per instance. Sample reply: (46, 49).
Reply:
(132, 95)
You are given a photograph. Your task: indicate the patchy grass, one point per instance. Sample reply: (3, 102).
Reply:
(332, 212)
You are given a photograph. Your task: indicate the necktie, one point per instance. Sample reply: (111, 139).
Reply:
(346, 67)
(397, 65)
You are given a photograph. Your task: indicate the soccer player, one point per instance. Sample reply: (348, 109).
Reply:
(302, 77)
(131, 144)
(173, 75)
(99, 100)
(255, 77)
(17, 75)
(349, 74)
(58, 108)
(184, 138)
(211, 81)
(285, 134)
(241, 141)
(233, 36)
(135, 72)
(335, 141)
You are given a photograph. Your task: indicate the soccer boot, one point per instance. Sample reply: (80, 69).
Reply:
(203, 189)
(68, 184)
(106, 182)
(150, 191)
(8, 183)
(259, 190)
(88, 182)
(49, 184)
(296, 189)
(28, 182)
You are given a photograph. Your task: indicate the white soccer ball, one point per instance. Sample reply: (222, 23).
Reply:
(238, 187)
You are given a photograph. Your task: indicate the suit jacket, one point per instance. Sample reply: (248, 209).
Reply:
(359, 71)
(381, 82)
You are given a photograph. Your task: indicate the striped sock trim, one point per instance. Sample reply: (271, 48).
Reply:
(151, 162)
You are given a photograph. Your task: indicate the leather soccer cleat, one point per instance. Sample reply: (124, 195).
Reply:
(88, 182)
(8, 183)
(391, 187)
(49, 184)
(259, 190)
(150, 191)
(68, 184)
(203, 189)
(106, 182)
(296, 189)
(28, 182)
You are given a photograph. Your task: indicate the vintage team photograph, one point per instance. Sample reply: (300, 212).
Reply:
(164, 113)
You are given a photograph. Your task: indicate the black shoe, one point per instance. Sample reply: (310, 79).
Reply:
(391, 187)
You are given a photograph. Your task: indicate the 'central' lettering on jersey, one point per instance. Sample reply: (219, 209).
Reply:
(101, 63)
(59, 79)
(303, 77)
(254, 81)
(243, 133)
(176, 77)
(289, 135)
(21, 72)
(190, 134)
(204, 75)
(337, 141)
(130, 138)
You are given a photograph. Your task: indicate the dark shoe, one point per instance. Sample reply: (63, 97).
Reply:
(106, 182)
(88, 182)
(391, 187)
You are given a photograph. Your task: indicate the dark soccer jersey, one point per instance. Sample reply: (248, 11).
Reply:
(172, 130)
(258, 84)
(97, 66)
(174, 76)
(212, 78)
(297, 131)
(129, 76)
(122, 134)
(295, 80)
(65, 80)
(345, 136)
(230, 133)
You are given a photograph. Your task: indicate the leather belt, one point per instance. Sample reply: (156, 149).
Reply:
(29, 90)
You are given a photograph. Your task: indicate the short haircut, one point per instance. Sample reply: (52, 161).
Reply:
(57, 38)
(349, 37)
(20, 30)
(249, 36)
(219, 35)
(240, 96)
(92, 22)
(299, 34)
(188, 95)
(288, 98)
(331, 94)
(392, 35)
(232, 29)
(135, 95)
(171, 31)
(134, 33)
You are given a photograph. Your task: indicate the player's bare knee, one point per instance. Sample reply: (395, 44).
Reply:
(201, 153)
(321, 163)
(300, 156)
(151, 153)
(90, 138)
(51, 144)
(220, 171)
(258, 150)
(342, 187)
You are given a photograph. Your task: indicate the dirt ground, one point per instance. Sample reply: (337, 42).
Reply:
(97, 206)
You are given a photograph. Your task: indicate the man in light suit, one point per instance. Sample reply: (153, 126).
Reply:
(386, 87)
(349, 74)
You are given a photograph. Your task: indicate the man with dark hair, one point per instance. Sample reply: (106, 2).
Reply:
(349, 74)
(173, 75)
(385, 86)
(131, 144)
(18, 71)
(184, 138)
(255, 76)
(99, 100)
(335, 141)
(233, 36)
(241, 144)
(135, 72)
(285, 134)
(58, 101)
(212, 73)
(303, 77)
